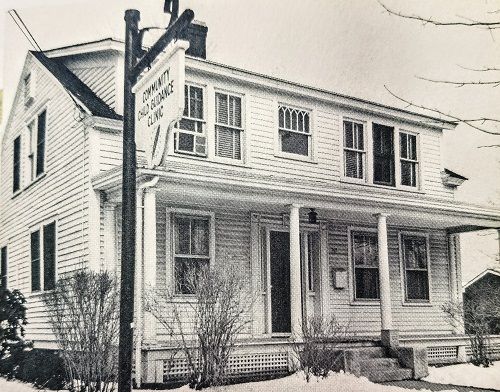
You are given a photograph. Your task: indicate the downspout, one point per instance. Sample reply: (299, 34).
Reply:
(139, 292)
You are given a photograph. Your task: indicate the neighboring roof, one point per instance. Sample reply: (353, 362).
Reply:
(76, 87)
(455, 175)
(492, 271)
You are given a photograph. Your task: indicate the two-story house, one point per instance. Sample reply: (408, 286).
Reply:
(328, 204)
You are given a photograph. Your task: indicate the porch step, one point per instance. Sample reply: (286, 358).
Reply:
(379, 364)
(393, 374)
(372, 352)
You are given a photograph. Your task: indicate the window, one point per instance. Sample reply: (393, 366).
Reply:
(365, 260)
(190, 135)
(416, 267)
(228, 126)
(191, 250)
(313, 254)
(40, 143)
(409, 161)
(32, 150)
(3, 267)
(16, 175)
(354, 149)
(294, 131)
(28, 89)
(46, 247)
(383, 155)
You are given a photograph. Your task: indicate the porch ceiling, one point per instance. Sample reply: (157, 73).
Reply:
(331, 204)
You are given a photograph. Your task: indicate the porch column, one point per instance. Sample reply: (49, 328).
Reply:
(389, 336)
(149, 259)
(295, 289)
(110, 238)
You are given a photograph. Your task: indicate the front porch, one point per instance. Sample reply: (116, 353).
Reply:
(350, 263)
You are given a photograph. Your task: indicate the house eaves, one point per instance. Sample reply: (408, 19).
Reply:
(490, 271)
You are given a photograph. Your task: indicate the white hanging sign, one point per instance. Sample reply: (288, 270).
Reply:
(159, 100)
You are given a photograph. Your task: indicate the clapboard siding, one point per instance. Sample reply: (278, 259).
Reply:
(409, 319)
(60, 195)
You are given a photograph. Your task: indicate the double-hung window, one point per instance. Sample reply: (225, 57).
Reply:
(16, 165)
(191, 250)
(228, 126)
(294, 131)
(365, 265)
(415, 261)
(409, 160)
(43, 257)
(354, 149)
(28, 84)
(40, 143)
(190, 137)
(3, 267)
(383, 155)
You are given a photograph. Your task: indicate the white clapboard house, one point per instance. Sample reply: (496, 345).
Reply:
(328, 204)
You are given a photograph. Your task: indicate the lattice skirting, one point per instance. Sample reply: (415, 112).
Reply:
(494, 350)
(239, 365)
(442, 354)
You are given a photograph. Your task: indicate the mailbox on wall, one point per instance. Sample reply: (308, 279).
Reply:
(339, 278)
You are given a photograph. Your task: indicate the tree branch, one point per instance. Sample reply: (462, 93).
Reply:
(494, 83)
(469, 23)
(470, 123)
(484, 69)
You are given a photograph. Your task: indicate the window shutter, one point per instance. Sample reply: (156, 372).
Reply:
(40, 147)
(3, 267)
(228, 143)
(16, 175)
(35, 261)
(49, 256)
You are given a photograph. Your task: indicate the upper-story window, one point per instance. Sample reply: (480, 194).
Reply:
(16, 165)
(29, 91)
(190, 137)
(3, 267)
(43, 257)
(383, 155)
(228, 126)
(40, 142)
(409, 160)
(294, 131)
(354, 149)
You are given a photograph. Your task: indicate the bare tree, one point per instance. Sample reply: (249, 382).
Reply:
(485, 124)
(83, 311)
(218, 312)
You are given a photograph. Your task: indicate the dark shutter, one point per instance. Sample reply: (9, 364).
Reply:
(383, 155)
(3, 267)
(49, 256)
(16, 176)
(40, 143)
(35, 261)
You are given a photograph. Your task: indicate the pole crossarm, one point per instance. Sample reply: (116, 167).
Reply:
(172, 32)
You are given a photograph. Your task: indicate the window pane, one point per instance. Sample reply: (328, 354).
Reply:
(383, 154)
(281, 117)
(417, 285)
(221, 109)
(348, 134)
(186, 101)
(16, 175)
(196, 102)
(235, 111)
(408, 173)
(365, 250)
(359, 137)
(35, 261)
(403, 145)
(227, 142)
(199, 237)
(40, 149)
(186, 271)
(294, 143)
(412, 142)
(367, 283)
(3, 267)
(182, 236)
(353, 164)
(186, 142)
(49, 256)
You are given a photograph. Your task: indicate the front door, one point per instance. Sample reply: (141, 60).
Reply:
(279, 244)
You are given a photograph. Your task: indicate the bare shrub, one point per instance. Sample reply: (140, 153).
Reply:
(84, 313)
(218, 313)
(479, 315)
(317, 350)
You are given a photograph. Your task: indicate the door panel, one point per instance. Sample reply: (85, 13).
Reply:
(280, 281)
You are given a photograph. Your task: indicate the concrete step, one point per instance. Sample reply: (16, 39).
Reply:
(371, 352)
(379, 363)
(382, 375)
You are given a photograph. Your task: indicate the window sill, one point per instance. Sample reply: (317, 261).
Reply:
(216, 160)
(295, 157)
(362, 182)
(375, 302)
(32, 183)
(418, 304)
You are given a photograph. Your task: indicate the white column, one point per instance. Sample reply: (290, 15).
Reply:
(110, 238)
(149, 259)
(383, 270)
(295, 289)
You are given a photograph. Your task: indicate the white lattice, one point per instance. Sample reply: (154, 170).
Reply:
(494, 349)
(243, 364)
(446, 352)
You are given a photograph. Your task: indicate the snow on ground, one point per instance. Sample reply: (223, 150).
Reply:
(466, 374)
(15, 386)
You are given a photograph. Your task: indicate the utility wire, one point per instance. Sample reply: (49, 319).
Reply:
(24, 29)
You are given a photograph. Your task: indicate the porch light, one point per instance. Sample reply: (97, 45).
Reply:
(313, 216)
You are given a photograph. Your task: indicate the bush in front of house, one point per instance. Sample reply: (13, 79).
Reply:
(12, 322)
(316, 351)
(218, 312)
(83, 311)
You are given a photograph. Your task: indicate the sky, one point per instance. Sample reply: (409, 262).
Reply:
(352, 47)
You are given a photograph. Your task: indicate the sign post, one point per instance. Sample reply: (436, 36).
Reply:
(134, 65)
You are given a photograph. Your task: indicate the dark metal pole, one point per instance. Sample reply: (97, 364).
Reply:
(126, 340)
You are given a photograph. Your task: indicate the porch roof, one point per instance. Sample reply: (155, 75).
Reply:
(330, 201)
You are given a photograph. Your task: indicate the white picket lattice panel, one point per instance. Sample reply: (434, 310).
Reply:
(439, 353)
(238, 365)
(494, 349)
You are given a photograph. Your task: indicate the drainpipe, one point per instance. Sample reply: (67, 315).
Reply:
(138, 278)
